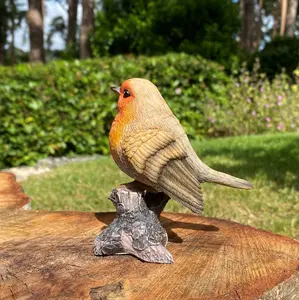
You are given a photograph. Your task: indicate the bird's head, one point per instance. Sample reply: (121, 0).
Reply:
(141, 96)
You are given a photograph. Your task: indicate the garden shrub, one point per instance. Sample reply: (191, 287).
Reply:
(64, 108)
(256, 105)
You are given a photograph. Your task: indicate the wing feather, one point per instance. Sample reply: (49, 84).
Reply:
(162, 160)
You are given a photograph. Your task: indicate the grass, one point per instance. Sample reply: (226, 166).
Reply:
(270, 162)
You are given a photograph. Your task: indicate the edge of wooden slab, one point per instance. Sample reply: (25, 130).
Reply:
(11, 193)
(285, 290)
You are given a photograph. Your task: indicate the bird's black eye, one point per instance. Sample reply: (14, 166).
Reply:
(126, 94)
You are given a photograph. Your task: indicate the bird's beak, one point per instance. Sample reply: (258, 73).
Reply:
(115, 89)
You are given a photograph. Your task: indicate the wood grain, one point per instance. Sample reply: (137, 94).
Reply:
(48, 255)
(11, 193)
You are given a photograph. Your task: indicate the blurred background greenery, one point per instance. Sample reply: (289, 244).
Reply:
(227, 31)
(226, 68)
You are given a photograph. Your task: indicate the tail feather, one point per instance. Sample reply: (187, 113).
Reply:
(227, 180)
(179, 184)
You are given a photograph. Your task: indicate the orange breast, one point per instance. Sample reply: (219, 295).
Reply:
(122, 119)
(116, 132)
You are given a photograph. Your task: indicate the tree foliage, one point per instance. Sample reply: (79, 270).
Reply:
(12, 14)
(57, 26)
(206, 27)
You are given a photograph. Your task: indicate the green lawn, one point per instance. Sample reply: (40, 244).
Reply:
(270, 162)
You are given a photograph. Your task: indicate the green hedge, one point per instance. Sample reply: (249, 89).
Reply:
(67, 107)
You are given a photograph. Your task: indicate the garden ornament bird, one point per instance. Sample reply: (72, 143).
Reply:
(148, 143)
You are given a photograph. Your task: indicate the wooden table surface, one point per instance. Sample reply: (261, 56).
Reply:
(48, 255)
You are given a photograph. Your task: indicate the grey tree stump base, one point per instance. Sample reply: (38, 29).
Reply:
(136, 229)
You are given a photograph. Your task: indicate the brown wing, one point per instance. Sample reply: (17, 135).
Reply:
(162, 160)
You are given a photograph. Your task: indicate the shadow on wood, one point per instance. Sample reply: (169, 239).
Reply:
(48, 255)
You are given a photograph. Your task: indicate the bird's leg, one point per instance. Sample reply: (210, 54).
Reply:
(155, 201)
(136, 229)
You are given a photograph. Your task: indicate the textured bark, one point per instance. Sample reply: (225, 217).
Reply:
(87, 27)
(72, 23)
(284, 7)
(288, 290)
(291, 17)
(248, 24)
(36, 30)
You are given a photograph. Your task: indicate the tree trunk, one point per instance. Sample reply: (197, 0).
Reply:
(3, 30)
(247, 33)
(2, 53)
(276, 15)
(12, 46)
(291, 17)
(259, 26)
(12, 32)
(72, 23)
(86, 28)
(36, 30)
(284, 7)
